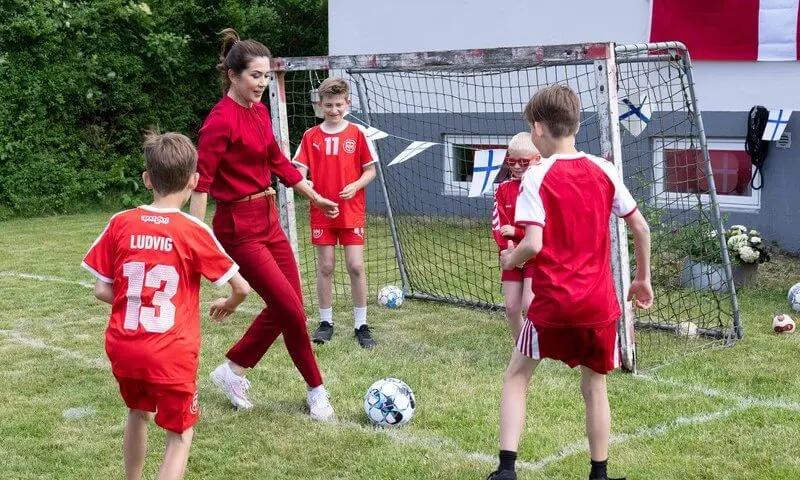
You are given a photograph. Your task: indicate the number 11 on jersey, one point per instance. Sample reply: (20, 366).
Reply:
(331, 145)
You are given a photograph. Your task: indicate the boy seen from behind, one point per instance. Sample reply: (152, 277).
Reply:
(148, 262)
(565, 205)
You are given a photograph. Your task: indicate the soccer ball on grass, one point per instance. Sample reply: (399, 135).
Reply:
(390, 296)
(783, 324)
(389, 402)
(794, 297)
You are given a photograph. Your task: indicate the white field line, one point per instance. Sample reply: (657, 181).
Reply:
(742, 403)
(32, 342)
(44, 278)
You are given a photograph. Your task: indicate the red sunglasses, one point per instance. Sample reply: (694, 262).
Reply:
(523, 162)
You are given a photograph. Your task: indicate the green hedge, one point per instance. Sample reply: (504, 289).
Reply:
(82, 81)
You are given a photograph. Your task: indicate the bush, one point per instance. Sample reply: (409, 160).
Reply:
(82, 81)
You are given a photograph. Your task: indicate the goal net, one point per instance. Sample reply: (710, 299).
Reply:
(433, 115)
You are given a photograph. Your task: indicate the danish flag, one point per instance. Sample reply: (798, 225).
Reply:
(729, 29)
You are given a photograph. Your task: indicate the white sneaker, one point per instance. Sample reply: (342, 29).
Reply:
(318, 405)
(234, 386)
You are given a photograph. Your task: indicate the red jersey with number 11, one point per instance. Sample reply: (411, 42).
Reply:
(336, 160)
(154, 259)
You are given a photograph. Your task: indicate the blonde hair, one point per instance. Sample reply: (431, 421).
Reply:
(522, 144)
(558, 107)
(333, 86)
(170, 160)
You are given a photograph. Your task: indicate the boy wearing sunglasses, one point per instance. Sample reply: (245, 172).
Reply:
(517, 291)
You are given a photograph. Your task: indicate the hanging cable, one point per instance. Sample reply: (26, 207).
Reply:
(755, 147)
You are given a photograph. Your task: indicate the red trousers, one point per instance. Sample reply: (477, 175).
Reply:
(250, 231)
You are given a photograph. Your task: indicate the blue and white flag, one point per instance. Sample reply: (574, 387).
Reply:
(776, 124)
(411, 151)
(484, 170)
(634, 112)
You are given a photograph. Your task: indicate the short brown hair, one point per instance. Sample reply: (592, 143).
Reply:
(558, 107)
(333, 86)
(170, 159)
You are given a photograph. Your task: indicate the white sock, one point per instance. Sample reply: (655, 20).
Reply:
(360, 314)
(320, 388)
(326, 315)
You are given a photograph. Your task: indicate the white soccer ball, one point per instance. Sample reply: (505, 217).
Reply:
(686, 330)
(389, 403)
(783, 324)
(794, 297)
(390, 296)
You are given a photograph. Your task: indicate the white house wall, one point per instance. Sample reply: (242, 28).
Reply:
(383, 26)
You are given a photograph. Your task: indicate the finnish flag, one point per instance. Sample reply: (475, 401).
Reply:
(778, 119)
(484, 170)
(634, 112)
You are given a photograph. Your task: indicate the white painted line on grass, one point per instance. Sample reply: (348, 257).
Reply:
(43, 278)
(741, 400)
(32, 342)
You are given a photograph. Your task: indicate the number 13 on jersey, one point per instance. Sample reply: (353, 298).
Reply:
(135, 313)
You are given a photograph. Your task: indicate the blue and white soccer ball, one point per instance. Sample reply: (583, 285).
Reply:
(390, 296)
(794, 297)
(389, 403)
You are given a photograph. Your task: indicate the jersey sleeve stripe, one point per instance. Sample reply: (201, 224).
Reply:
(209, 231)
(635, 207)
(97, 274)
(526, 223)
(299, 164)
(370, 163)
(107, 225)
(227, 276)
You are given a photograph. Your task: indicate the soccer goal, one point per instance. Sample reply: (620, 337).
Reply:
(429, 211)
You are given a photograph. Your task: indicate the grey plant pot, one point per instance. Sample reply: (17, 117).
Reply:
(744, 274)
(703, 276)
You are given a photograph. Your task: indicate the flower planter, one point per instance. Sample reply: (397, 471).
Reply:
(744, 274)
(703, 276)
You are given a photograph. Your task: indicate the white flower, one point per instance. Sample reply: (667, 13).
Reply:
(737, 241)
(741, 228)
(748, 255)
(754, 233)
(755, 240)
(145, 8)
(712, 234)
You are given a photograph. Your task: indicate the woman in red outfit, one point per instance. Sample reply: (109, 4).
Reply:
(237, 156)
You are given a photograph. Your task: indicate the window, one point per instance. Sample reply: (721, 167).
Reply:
(680, 172)
(459, 157)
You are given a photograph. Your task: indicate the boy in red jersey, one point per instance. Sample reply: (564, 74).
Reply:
(148, 262)
(517, 292)
(565, 205)
(342, 164)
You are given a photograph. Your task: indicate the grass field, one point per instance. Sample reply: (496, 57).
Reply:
(724, 413)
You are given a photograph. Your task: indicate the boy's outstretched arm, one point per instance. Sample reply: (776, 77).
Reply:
(528, 248)
(224, 307)
(641, 291)
(367, 176)
(104, 291)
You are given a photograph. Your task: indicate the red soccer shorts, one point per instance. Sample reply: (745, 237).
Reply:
(517, 274)
(593, 347)
(176, 405)
(337, 236)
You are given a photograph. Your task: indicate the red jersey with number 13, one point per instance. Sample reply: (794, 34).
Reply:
(154, 259)
(336, 160)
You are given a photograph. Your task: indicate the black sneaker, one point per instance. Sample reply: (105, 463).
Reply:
(364, 337)
(605, 478)
(502, 475)
(323, 334)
